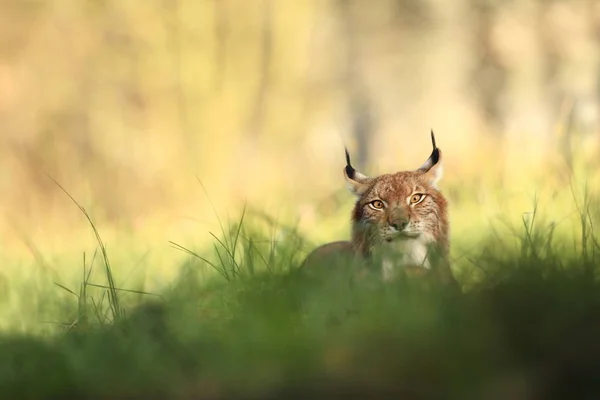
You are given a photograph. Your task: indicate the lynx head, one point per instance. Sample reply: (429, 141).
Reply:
(400, 206)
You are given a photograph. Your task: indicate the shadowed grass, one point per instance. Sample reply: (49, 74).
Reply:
(533, 336)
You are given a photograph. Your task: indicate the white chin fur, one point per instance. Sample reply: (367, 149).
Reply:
(407, 252)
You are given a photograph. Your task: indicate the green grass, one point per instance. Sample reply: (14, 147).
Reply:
(241, 321)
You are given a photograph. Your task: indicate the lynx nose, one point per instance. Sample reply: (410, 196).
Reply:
(399, 224)
(398, 219)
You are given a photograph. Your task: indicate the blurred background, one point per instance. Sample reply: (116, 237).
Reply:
(129, 104)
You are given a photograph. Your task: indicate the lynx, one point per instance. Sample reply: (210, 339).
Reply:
(400, 219)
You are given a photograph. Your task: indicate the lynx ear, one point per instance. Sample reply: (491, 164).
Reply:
(357, 182)
(432, 168)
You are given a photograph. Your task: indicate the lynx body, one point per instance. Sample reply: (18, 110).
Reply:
(399, 219)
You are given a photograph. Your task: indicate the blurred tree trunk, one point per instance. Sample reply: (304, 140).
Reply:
(489, 75)
(264, 69)
(358, 102)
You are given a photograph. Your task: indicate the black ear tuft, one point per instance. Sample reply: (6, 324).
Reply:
(349, 170)
(434, 157)
(435, 154)
(347, 157)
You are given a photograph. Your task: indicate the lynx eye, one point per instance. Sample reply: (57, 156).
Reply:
(376, 204)
(416, 198)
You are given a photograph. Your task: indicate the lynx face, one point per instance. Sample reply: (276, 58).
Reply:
(403, 211)
(400, 206)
